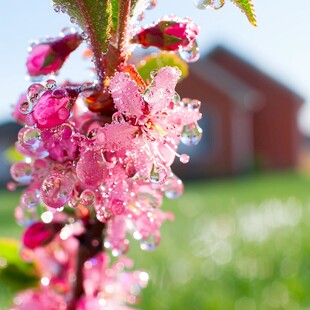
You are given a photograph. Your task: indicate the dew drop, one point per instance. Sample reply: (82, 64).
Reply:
(203, 4)
(87, 197)
(30, 138)
(192, 104)
(73, 20)
(91, 169)
(59, 93)
(153, 73)
(30, 198)
(25, 107)
(84, 35)
(56, 190)
(63, 9)
(21, 172)
(173, 187)
(34, 92)
(184, 158)
(159, 174)
(56, 8)
(190, 54)
(217, 4)
(150, 243)
(191, 134)
(50, 84)
(176, 98)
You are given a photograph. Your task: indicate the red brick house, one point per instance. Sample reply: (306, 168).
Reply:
(249, 119)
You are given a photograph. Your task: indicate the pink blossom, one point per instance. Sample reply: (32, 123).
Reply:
(48, 57)
(53, 108)
(44, 298)
(39, 234)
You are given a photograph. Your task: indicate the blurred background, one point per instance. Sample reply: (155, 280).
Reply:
(240, 239)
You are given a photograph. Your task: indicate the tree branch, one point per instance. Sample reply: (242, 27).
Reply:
(91, 243)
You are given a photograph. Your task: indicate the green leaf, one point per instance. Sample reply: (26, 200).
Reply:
(13, 270)
(247, 8)
(115, 10)
(157, 61)
(116, 4)
(93, 16)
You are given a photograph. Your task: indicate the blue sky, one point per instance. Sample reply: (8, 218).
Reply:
(280, 45)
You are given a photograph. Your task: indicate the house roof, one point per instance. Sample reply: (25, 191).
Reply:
(232, 63)
(227, 83)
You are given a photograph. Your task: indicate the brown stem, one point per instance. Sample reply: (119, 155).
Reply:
(124, 18)
(91, 243)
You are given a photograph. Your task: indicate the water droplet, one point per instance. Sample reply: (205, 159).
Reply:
(56, 190)
(173, 187)
(30, 198)
(203, 4)
(21, 172)
(29, 138)
(73, 20)
(217, 4)
(150, 243)
(191, 134)
(103, 215)
(87, 197)
(34, 92)
(91, 169)
(25, 107)
(56, 8)
(176, 98)
(84, 35)
(159, 174)
(192, 104)
(50, 84)
(63, 9)
(153, 73)
(184, 158)
(190, 54)
(212, 4)
(59, 93)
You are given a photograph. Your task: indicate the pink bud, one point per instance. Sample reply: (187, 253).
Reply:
(39, 234)
(48, 57)
(168, 35)
(53, 108)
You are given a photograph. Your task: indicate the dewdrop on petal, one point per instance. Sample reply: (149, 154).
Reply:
(191, 134)
(56, 190)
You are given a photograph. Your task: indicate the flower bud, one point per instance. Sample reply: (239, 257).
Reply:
(53, 107)
(39, 234)
(169, 35)
(48, 57)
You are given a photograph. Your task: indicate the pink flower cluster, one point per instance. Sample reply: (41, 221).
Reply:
(99, 155)
(107, 286)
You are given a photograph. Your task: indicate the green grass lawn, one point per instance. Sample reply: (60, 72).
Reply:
(240, 244)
